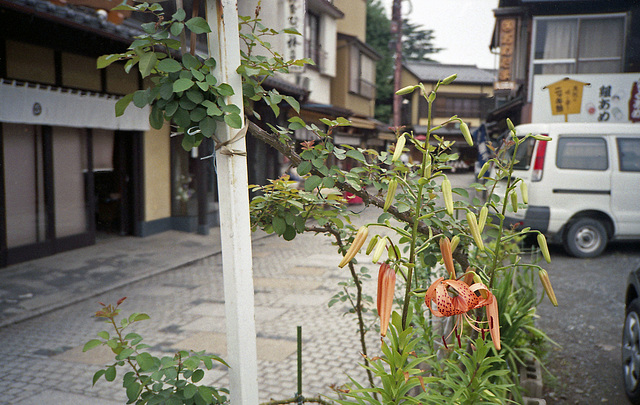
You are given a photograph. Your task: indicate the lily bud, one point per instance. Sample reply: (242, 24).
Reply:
(406, 90)
(386, 290)
(447, 196)
(482, 218)
(546, 283)
(510, 125)
(474, 229)
(454, 243)
(445, 249)
(399, 147)
(484, 169)
(524, 190)
(449, 79)
(358, 241)
(377, 252)
(541, 137)
(514, 201)
(464, 128)
(391, 192)
(372, 244)
(427, 168)
(431, 97)
(542, 242)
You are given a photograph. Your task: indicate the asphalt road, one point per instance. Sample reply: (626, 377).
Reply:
(587, 325)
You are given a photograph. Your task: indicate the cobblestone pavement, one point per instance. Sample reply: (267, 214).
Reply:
(42, 354)
(43, 359)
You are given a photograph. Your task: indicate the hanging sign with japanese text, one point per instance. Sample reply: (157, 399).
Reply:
(294, 12)
(611, 97)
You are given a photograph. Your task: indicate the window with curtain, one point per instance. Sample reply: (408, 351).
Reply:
(312, 39)
(578, 44)
(362, 74)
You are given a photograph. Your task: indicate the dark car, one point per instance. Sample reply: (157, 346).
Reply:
(631, 339)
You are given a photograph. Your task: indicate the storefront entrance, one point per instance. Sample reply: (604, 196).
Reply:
(62, 186)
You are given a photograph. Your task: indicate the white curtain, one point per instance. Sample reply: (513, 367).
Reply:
(560, 36)
(601, 38)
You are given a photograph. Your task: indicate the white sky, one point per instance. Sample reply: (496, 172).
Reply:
(463, 27)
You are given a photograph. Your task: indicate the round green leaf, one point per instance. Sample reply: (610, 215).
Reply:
(189, 391)
(110, 373)
(197, 375)
(156, 120)
(190, 62)
(233, 120)
(182, 85)
(179, 15)
(198, 25)
(208, 126)
(198, 114)
(171, 108)
(312, 182)
(289, 233)
(279, 225)
(91, 344)
(194, 95)
(176, 29)
(304, 167)
(122, 104)
(169, 65)
(182, 118)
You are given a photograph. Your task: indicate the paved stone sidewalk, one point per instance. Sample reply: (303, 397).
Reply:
(43, 361)
(46, 309)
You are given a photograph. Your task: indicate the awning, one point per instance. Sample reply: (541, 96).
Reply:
(364, 123)
(36, 104)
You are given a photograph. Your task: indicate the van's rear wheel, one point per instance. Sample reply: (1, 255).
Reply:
(585, 237)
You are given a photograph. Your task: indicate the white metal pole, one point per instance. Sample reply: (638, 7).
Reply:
(235, 228)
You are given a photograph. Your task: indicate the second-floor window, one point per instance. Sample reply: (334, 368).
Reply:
(362, 74)
(578, 44)
(313, 49)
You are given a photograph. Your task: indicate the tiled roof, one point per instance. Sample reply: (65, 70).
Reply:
(82, 17)
(433, 71)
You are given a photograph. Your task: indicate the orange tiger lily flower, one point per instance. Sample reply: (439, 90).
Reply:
(386, 289)
(463, 300)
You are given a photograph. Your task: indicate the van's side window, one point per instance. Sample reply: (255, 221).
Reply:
(629, 154)
(582, 153)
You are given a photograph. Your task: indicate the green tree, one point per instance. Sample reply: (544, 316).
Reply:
(417, 44)
(378, 36)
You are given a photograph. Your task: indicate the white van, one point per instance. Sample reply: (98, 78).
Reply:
(584, 184)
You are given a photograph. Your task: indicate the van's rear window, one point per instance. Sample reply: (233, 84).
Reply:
(523, 156)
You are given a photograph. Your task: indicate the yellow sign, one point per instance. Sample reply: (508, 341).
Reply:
(566, 96)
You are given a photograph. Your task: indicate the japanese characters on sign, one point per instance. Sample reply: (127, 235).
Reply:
(507, 42)
(611, 97)
(566, 96)
(295, 43)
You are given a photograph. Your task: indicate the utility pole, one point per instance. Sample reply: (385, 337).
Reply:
(235, 228)
(396, 29)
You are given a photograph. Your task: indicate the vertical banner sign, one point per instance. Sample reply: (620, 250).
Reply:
(507, 42)
(607, 97)
(294, 12)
